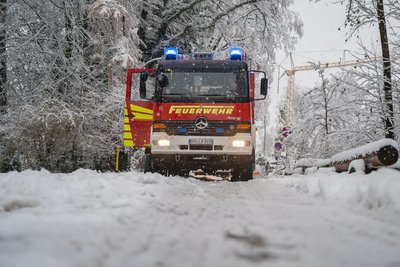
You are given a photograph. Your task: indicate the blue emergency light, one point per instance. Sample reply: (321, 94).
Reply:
(170, 53)
(236, 53)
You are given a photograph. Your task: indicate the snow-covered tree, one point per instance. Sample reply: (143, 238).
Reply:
(371, 12)
(258, 25)
(65, 60)
(345, 111)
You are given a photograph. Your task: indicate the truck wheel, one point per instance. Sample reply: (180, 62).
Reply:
(242, 174)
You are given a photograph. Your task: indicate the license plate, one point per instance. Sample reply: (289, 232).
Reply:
(201, 141)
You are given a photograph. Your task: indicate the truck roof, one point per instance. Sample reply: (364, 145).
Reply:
(210, 65)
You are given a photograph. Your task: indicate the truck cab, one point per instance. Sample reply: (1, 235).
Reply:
(197, 113)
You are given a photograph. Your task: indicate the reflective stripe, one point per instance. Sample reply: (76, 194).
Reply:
(141, 116)
(128, 135)
(141, 109)
(128, 143)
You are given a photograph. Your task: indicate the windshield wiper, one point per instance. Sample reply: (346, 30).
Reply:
(183, 96)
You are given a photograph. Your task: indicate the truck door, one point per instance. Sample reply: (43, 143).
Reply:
(138, 113)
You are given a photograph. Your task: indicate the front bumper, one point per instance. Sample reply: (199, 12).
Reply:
(221, 145)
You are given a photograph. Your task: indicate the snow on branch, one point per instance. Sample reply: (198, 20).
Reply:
(106, 8)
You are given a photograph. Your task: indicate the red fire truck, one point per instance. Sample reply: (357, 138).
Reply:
(195, 113)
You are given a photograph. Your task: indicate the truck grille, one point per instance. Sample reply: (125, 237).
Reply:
(201, 147)
(215, 128)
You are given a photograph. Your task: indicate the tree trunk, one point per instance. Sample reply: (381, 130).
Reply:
(387, 75)
(68, 32)
(3, 57)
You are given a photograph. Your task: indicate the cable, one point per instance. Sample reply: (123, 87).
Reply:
(325, 51)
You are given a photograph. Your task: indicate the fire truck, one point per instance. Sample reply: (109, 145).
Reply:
(194, 113)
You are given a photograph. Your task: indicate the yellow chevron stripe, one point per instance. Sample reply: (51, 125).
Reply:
(127, 127)
(141, 116)
(128, 143)
(126, 120)
(127, 135)
(141, 109)
(125, 112)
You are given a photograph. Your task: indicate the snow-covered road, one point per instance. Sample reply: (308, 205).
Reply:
(134, 219)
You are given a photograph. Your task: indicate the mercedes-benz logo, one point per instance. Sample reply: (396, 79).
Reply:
(201, 123)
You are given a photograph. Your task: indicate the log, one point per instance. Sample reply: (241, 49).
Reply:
(385, 156)
(377, 154)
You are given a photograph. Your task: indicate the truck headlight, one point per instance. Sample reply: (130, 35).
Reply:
(163, 142)
(238, 143)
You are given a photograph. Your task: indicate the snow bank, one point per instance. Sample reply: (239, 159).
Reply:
(43, 189)
(380, 189)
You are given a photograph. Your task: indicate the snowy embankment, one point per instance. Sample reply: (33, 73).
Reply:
(375, 190)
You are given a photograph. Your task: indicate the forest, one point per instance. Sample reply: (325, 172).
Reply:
(63, 66)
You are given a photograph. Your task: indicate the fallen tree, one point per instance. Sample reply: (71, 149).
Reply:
(374, 155)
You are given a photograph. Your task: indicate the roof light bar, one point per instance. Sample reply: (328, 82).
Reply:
(236, 53)
(171, 53)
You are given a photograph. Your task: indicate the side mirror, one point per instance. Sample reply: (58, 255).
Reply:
(264, 86)
(142, 85)
(162, 80)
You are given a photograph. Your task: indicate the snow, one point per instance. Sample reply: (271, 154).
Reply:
(357, 165)
(87, 218)
(380, 189)
(107, 8)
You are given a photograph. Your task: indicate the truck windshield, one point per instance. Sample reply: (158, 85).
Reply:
(200, 86)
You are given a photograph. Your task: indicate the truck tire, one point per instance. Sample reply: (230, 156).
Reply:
(154, 164)
(243, 169)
